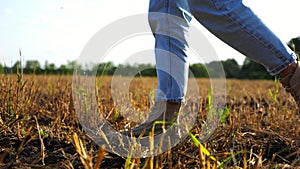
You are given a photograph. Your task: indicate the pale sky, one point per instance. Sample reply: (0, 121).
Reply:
(57, 30)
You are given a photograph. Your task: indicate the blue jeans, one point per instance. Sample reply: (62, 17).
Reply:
(229, 20)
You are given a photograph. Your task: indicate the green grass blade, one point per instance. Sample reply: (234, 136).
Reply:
(229, 158)
(197, 143)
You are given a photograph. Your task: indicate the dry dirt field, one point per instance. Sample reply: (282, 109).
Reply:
(39, 127)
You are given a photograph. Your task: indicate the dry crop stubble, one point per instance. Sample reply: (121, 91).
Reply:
(266, 132)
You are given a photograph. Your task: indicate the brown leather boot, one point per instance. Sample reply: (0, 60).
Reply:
(164, 113)
(291, 82)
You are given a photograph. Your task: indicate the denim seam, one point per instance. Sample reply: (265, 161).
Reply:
(169, 42)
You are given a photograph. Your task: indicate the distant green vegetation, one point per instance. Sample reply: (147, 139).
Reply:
(249, 69)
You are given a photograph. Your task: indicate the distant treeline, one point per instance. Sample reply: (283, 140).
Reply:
(249, 69)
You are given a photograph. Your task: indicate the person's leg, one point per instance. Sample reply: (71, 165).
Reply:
(239, 27)
(169, 23)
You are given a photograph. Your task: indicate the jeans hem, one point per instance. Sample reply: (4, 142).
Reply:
(278, 69)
